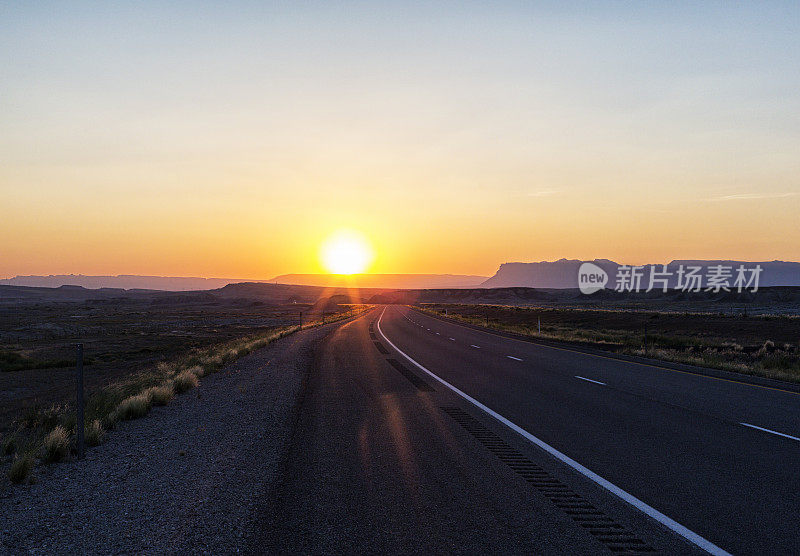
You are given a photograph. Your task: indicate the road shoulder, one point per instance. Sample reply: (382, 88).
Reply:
(182, 479)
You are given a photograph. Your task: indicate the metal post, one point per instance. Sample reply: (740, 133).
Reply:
(79, 404)
(539, 324)
(301, 320)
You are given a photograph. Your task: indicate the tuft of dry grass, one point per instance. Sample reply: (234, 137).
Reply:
(20, 468)
(95, 433)
(197, 371)
(186, 380)
(132, 407)
(129, 399)
(161, 395)
(165, 368)
(56, 445)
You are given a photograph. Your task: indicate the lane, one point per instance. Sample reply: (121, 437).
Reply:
(673, 448)
(735, 401)
(379, 464)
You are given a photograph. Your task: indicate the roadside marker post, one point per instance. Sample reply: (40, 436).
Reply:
(79, 401)
(301, 320)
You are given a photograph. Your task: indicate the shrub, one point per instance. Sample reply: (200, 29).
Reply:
(186, 380)
(56, 445)
(20, 468)
(95, 433)
(161, 395)
(132, 407)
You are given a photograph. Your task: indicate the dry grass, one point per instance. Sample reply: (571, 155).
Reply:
(685, 343)
(165, 368)
(186, 380)
(198, 371)
(132, 407)
(20, 468)
(132, 398)
(95, 433)
(161, 395)
(56, 445)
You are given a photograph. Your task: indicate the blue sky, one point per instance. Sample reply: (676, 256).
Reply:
(638, 131)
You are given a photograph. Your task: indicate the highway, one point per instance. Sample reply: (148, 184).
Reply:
(420, 435)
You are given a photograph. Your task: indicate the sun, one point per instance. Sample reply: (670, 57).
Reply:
(346, 252)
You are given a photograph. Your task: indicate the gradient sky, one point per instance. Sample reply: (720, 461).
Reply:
(230, 140)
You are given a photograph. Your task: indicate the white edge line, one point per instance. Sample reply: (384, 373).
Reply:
(472, 346)
(759, 428)
(514, 358)
(668, 522)
(590, 380)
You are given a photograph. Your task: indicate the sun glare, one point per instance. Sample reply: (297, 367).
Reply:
(346, 253)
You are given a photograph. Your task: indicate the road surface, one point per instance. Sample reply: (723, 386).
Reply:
(420, 435)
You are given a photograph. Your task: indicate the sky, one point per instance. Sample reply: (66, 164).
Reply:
(232, 139)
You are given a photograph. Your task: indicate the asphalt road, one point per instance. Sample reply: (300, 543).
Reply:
(420, 435)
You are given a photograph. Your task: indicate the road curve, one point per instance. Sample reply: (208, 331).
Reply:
(715, 456)
(417, 435)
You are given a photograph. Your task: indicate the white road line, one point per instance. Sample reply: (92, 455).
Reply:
(514, 358)
(673, 525)
(438, 334)
(590, 380)
(474, 346)
(453, 339)
(771, 431)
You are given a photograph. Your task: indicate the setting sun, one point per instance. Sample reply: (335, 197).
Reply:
(346, 252)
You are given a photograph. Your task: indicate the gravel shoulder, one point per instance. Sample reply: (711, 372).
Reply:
(185, 478)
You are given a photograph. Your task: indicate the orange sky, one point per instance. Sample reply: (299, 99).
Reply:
(232, 143)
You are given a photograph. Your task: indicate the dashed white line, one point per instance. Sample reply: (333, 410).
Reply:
(668, 522)
(590, 380)
(474, 346)
(453, 339)
(514, 358)
(438, 334)
(771, 431)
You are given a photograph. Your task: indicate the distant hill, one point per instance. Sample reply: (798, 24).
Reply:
(180, 283)
(392, 281)
(563, 274)
(768, 300)
(123, 281)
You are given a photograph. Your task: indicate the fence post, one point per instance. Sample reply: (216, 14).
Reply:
(79, 401)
